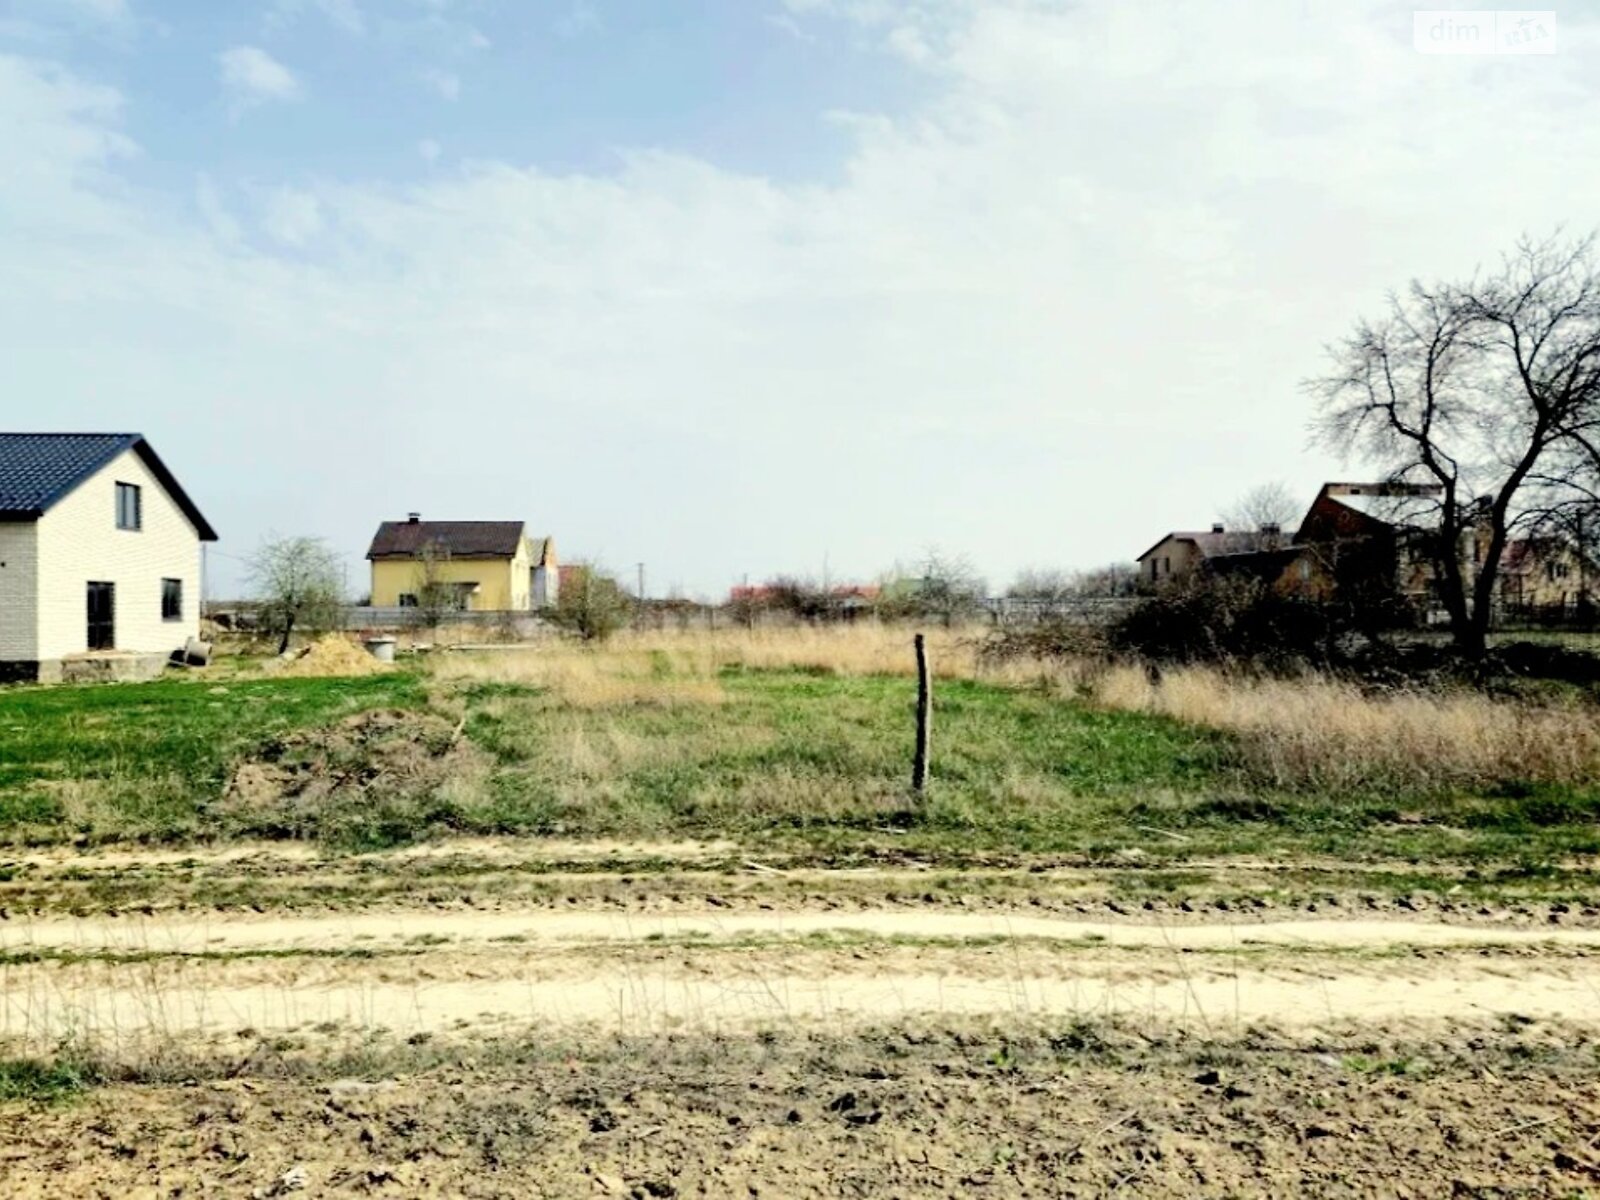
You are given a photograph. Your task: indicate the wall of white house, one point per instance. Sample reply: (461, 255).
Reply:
(546, 587)
(79, 542)
(19, 614)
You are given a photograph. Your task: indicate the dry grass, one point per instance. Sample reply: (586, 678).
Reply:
(1310, 732)
(672, 669)
(1330, 735)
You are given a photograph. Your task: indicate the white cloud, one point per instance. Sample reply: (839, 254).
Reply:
(429, 150)
(214, 210)
(787, 24)
(445, 84)
(343, 14)
(908, 42)
(251, 75)
(291, 216)
(1065, 300)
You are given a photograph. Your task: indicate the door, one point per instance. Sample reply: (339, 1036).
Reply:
(102, 616)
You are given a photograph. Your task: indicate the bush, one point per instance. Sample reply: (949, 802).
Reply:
(1211, 620)
(592, 604)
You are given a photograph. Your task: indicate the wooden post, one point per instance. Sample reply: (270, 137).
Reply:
(919, 765)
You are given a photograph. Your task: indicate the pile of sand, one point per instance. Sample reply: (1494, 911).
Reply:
(331, 656)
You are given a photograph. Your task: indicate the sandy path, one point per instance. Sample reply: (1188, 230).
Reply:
(215, 932)
(41, 1007)
(711, 970)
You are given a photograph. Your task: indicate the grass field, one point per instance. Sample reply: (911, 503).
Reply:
(665, 918)
(802, 743)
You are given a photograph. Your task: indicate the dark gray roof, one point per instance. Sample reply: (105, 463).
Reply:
(37, 470)
(458, 539)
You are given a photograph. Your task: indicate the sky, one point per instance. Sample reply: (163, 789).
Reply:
(736, 288)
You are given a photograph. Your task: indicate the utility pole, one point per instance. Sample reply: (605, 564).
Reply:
(641, 584)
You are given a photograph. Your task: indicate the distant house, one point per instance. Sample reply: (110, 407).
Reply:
(1372, 543)
(1544, 573)
(1180, 555)
(99, 553)
(484, 566)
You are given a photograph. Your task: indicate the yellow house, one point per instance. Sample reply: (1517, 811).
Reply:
(482, 566)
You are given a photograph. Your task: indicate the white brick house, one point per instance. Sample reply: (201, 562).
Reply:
(99, 552)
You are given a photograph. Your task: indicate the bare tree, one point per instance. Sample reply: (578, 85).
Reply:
(941, 586)
(1473, 389)
(436, 597)
(300, 585)
(1043, 585)
(1269, 505)
(1050, 586)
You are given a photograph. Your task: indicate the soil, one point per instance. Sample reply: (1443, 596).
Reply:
(310, 782)
(557, 1019)
(328, 657)
(915, 1111)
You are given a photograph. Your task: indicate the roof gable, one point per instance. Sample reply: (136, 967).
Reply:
(1212, 542)
(39, 470)
(457, 539)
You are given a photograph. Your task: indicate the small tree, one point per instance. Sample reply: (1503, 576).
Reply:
(592, 604)
(435, 597)
(943, 587)
(1043, 585)
(299, 583)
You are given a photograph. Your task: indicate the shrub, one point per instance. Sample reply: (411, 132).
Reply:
(1215, 620)
(592, 604)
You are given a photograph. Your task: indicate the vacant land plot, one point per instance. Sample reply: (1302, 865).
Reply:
(664, 919)
(802, 747)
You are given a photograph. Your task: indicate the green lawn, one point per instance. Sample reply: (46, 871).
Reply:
(788, 761)
(141, 761)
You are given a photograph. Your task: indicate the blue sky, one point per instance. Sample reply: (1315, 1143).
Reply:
(730, 287)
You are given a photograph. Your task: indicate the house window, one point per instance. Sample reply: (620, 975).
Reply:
(1166, 566)
(408, 600)
(130, 513)
(172, 599)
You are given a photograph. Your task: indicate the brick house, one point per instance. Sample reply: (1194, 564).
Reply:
(99, 554)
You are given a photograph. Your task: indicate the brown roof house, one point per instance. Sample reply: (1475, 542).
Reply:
(487, 566)
(1373, 545)
(1181, 555)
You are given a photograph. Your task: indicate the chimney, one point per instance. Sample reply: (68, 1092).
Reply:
(413, 518)
(1217, 528)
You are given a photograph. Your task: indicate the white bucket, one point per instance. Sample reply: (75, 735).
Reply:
(381, 649)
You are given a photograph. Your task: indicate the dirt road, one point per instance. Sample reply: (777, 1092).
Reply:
(745, 1030)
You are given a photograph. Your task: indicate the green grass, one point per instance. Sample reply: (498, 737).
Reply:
(141, 761)
(793, 762)
(46, 1081)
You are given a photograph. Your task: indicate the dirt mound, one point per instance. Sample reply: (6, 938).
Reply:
(328, 657)
(377, 778)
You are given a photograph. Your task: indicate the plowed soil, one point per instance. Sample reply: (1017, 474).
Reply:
(661, 1021)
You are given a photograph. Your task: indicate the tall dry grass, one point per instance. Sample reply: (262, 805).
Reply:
(1331, 735)
(1310, 732)
(674, 668)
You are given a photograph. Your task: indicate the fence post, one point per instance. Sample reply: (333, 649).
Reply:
(919, 765)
